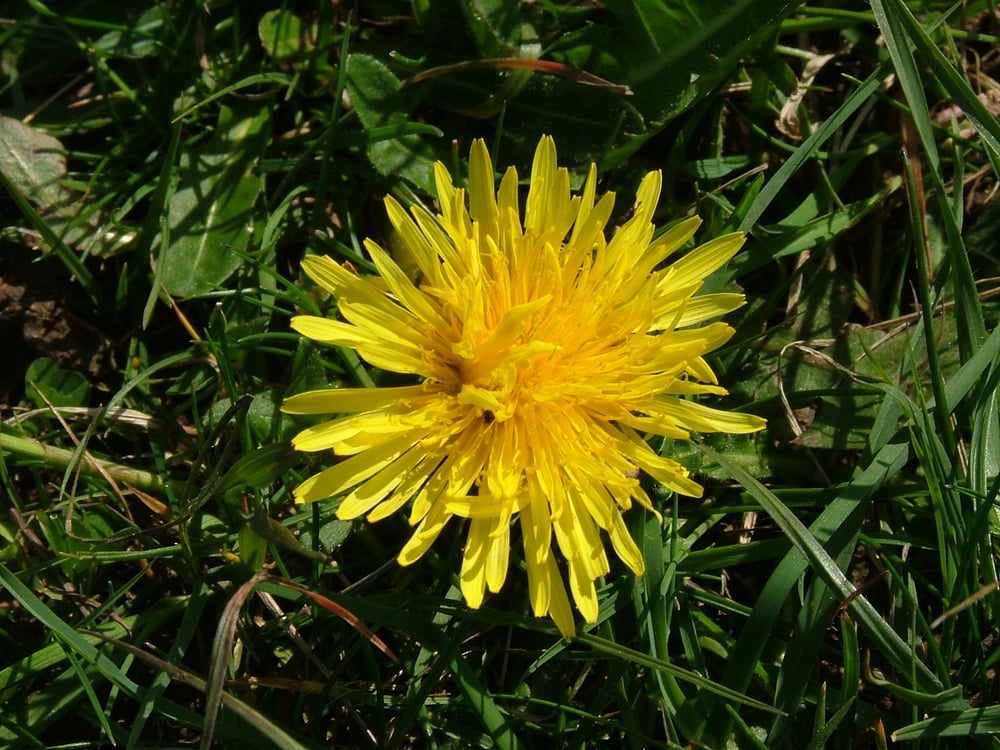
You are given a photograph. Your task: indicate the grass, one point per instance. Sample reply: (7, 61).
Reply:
(167, 165)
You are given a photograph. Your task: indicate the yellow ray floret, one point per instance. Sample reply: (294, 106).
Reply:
(545, 354)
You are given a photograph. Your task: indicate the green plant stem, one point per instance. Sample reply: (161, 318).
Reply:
(62, 458)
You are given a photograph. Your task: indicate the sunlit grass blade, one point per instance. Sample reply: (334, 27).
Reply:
(902, 654)
(637, 657)
(777, 182)
(954, 82)
(83, 646)
(890, 15)
(843, 512)
(67, 635)
(974, 722)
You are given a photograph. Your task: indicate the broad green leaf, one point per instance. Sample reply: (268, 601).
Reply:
(262, 414)
(34, 162)
(32, 169)
(48, 384)
(283, 35)
(253, 548)
(495, 26)
(258, 468)
(332, 533)
(376, 97)
(143, 37)
(274, 532)
(323, 531)
(667, 54)
(717, 168)
(211, 213)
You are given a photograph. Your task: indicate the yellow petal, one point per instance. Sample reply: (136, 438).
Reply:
(472, 579)
(696, 416)
(424, 536)
(583, 590)
(541, 189)
(405, 492)
(328, 273)
(417, 244)
(399, 284)
(705, 307)
(327, 331)
(353, 400)
(703, 260)
(352, 471)
(664, 470)
(396, 356)
(498, 557)
(482, 199)
(370, 493)
(624, 545)
(536, 526)
(559, 609)
(476, 507)
(630, 243)
(375, 427)
(539, 588)
(674, 238)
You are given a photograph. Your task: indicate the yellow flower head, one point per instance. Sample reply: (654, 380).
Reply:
(544, 354)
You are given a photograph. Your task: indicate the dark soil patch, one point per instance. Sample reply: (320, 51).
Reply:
(37, 319)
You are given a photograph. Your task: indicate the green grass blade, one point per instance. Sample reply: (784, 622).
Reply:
(66, 254)
(811, 144)
(900, 653)
(899, 46)
(88, 689)
(185, 633)
(623, 652)
(69, 637)
(825, 732)
(222, 649)
(975, 722)
(797, 669)
(482, 704)
(956, 84)
(892, 19)
(247, 713)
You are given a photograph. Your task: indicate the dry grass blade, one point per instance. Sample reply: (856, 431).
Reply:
(343, 613)
(238, 707)
(222, 646)
(516, 63)
(225, 636)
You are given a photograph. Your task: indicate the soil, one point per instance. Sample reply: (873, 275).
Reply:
(37, 319)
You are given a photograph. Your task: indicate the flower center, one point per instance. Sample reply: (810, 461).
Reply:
(498, 365)
(501, 381)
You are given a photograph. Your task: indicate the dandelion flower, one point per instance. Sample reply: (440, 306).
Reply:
(544, 356)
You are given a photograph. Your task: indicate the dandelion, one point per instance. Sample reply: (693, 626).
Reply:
(544, 354)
